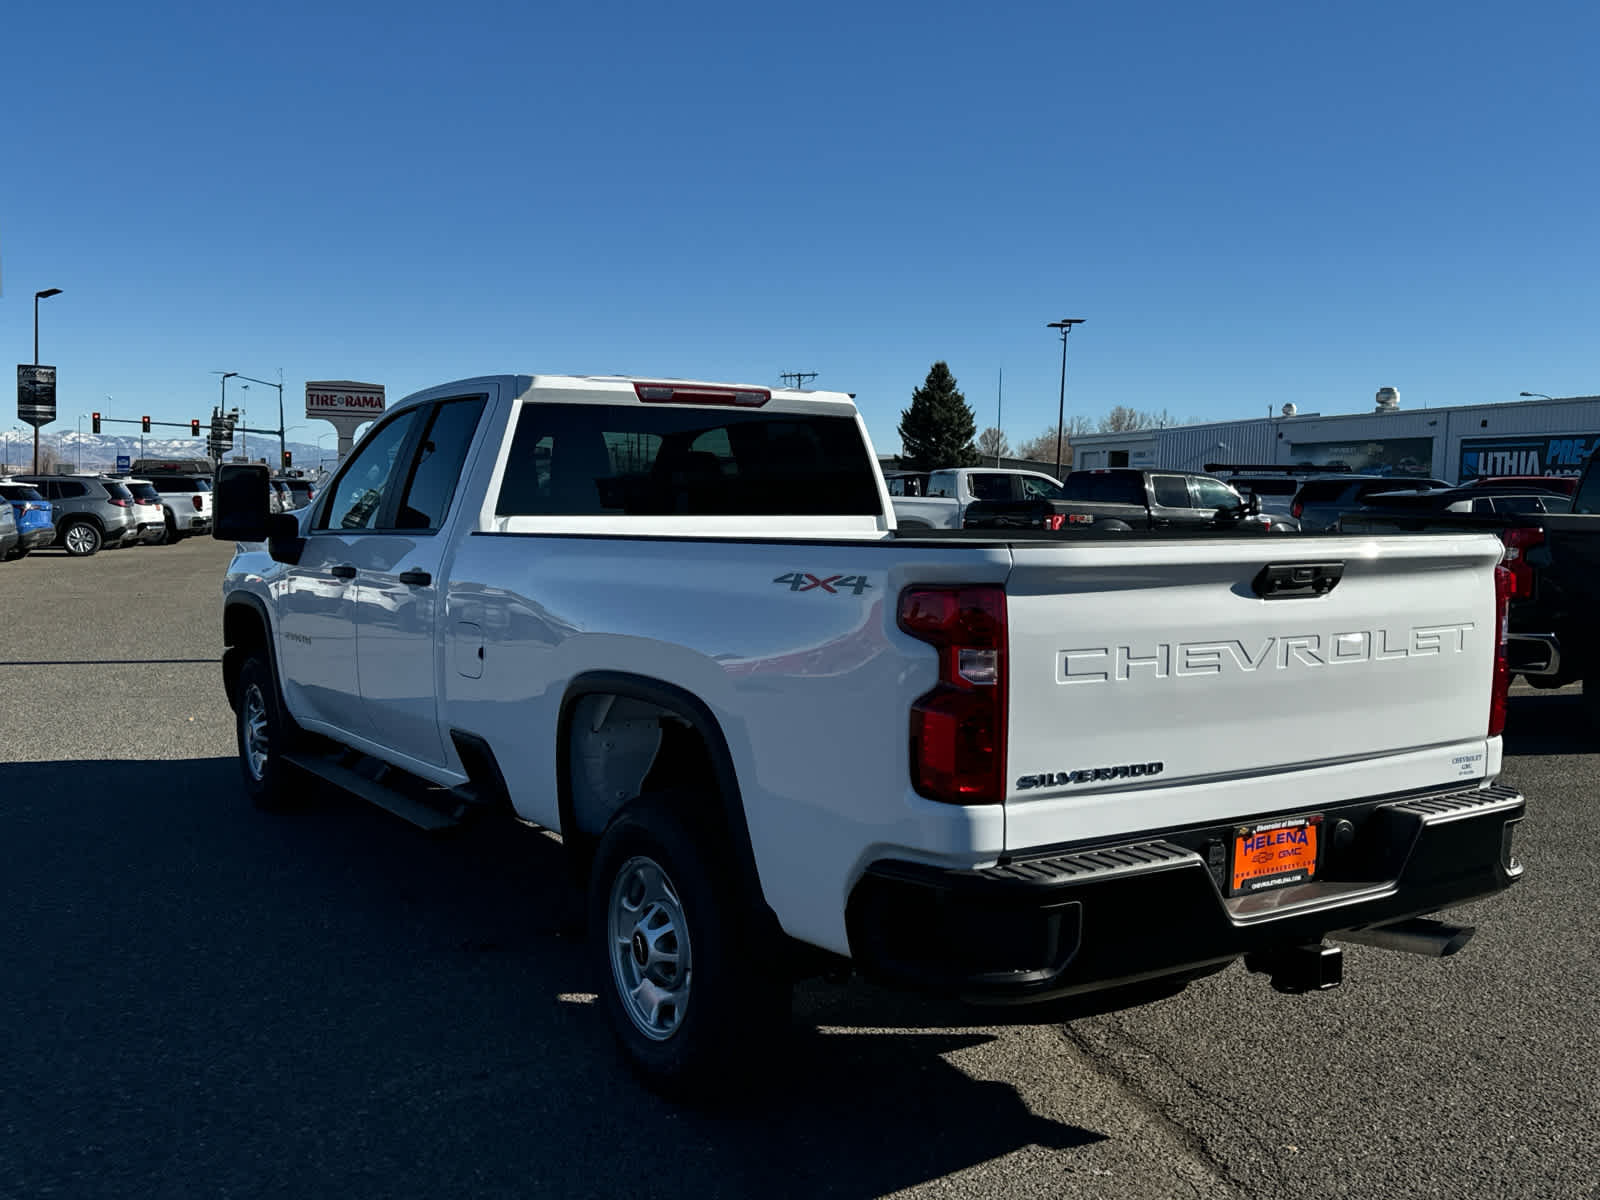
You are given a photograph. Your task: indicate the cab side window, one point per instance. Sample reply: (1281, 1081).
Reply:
(358, 493)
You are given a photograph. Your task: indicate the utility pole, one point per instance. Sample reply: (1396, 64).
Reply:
(999, 412)
(1065, 326)
(800, 378)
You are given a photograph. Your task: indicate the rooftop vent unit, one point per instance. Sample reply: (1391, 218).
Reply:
(1388, 400)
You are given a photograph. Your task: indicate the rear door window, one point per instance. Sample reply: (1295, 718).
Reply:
(1107, 487)
(1171, 491)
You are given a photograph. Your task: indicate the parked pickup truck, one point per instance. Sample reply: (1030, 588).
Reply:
(1116, 500)
(946, 495)
(675, 624)
(1553, 561)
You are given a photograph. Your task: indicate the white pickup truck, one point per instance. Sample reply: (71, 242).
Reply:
(948, 493)
(674, 623)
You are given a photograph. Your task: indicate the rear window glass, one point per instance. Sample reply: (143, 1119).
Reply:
(1108, 487)
(181, 485)
(613, 459)
(19, 491)
(117, 491)
(143, 491)
(990, 487)
(1389, 485)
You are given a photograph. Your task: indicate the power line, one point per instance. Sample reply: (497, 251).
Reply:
(799, 378)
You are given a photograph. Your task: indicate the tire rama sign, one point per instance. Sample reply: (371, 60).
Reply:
(344, 398)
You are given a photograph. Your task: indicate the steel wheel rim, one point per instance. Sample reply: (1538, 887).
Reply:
(253, 721)
(80, 539)
(650, 955)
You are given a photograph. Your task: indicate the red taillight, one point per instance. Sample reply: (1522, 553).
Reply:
(196, 499)
(1500, 688)
(1518, 542)
(958, 730)
(121, 503)
(1296, 509)
(677, 393)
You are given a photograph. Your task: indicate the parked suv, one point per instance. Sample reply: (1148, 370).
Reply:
(1320, 502)
(90, 511)
(186, 501)
(303, 490)
(151, 512)
(31, 512)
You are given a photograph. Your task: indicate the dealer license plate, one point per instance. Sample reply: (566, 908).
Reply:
(1275, 854)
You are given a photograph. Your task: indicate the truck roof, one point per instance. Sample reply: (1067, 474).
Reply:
(645, 389)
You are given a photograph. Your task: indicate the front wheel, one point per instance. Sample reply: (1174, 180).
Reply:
(694, 1005)
(265, 735)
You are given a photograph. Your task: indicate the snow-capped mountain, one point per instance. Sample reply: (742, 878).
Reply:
(94, 452)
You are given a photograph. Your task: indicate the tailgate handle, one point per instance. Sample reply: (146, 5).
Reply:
(1288, 581)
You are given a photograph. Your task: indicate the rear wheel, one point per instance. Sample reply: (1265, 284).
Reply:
(172, 537)
(82, 538)
(13, 555)
(694, 1004)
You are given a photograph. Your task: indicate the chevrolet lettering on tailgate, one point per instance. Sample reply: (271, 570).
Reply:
(1161, 660)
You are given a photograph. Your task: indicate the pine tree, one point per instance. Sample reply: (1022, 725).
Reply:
(937, 430)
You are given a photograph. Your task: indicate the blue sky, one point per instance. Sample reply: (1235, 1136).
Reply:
(1249, 203)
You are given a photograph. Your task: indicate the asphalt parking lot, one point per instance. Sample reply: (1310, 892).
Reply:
(199, 999)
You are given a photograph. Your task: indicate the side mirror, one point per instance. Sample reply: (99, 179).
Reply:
(242, 503)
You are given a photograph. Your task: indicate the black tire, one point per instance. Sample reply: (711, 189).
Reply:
(1591, 702)
(265, 772)
(82, 538)
(13, 555)
(172, 537)
(734, 1000)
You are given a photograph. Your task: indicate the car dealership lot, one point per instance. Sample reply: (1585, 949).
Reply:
(202, 999)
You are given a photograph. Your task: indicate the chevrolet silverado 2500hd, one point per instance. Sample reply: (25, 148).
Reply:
(674, 623)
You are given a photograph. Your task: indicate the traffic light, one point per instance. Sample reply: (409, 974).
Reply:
(194, 428)
(94, 422)
(288, 459)
(144, 424)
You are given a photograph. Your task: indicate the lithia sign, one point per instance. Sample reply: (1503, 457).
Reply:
(1562, 454)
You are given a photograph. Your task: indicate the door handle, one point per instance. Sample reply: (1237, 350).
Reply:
(416, 578)
(344, 571)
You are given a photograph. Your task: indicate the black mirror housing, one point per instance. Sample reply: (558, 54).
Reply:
(242, 499)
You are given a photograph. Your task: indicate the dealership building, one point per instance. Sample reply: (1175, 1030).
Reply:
(1525, 437)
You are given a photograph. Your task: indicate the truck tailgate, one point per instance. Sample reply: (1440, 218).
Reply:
(1153, 686)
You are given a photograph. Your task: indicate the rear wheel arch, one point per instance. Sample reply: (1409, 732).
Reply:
(695, 752)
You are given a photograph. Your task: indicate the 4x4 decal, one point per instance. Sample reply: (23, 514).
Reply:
(804, 581)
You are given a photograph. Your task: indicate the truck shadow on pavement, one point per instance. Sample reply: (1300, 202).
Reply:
(1548, 723)
(202, 999)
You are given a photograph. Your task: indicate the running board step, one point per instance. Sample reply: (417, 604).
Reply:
(407, 808)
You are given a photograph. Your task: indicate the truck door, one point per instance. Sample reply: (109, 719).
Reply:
(400, 587)
(317, 597)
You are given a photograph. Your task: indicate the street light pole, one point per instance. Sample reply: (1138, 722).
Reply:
(283, 444)
(1065, 326)
(38, 296)
(1537, 395)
